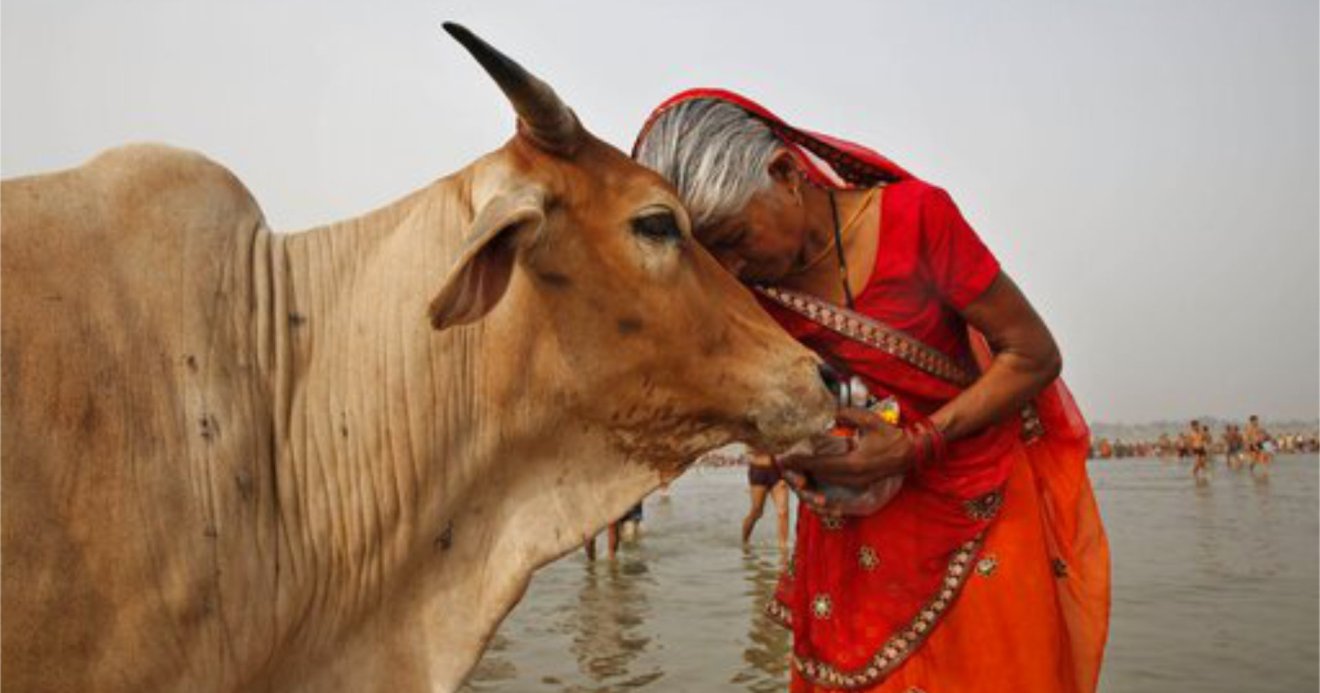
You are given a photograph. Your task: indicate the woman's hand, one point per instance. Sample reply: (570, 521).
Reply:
(825, 504)
(876, 452)
(850, 476)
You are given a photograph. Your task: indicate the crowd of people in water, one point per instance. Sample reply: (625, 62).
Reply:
(1239, 445)
(1249, 445)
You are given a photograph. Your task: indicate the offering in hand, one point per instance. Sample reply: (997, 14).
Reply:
(856, 394)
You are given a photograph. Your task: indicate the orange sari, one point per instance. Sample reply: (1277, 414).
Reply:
(1033, 611)
(1021, 605)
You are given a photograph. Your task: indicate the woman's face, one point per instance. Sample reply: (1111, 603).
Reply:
(764, 241)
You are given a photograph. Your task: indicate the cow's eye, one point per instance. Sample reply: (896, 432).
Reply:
(657, 226)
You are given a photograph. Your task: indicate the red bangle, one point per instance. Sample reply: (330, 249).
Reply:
(920, 449)
(938, 442)
(929, 445)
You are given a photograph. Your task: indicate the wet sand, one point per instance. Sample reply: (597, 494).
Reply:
(1216, 588)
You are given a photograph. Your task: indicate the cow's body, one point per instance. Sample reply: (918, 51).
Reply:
(238, 460)
(216, 448)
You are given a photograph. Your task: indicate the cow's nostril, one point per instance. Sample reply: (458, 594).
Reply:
(831, 377)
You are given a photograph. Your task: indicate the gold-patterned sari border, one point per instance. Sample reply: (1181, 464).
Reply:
(861, 328)
(901, 644)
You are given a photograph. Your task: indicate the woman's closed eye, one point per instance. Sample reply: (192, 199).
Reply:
(732, 240)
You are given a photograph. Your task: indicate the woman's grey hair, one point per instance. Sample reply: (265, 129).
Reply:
(714, 153)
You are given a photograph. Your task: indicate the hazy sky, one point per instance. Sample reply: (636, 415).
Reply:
(1145, 169)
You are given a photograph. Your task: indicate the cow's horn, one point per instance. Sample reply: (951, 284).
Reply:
(543, 117)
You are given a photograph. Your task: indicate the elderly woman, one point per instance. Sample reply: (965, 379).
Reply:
(968, 555)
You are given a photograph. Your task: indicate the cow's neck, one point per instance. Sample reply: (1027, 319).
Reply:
(364, 405)
(419, 471)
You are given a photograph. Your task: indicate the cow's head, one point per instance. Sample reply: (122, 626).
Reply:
(590, 260)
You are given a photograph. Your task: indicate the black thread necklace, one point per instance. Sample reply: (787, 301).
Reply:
(838, 246)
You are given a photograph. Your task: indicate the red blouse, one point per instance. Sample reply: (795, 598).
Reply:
(929, 265)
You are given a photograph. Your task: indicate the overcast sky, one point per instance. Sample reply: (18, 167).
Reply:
(1145, 169)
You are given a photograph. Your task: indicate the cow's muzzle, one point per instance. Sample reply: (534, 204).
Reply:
(801, 406)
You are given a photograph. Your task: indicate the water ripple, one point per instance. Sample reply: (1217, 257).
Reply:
(1216, 589)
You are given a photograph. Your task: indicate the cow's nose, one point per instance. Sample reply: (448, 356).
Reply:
(831, 377)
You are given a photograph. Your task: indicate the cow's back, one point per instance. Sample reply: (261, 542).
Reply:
(136, 424)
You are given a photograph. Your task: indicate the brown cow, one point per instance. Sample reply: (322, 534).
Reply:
(237, 460)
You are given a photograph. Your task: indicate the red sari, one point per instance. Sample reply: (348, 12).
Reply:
(989, 572)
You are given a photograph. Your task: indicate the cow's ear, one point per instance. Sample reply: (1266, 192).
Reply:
(479, 277)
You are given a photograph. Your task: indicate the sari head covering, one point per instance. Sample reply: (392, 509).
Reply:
(828, 162)
(863, 596)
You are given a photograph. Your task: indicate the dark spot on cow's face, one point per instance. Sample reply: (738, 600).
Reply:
(210, 532)
(445, 538)
(191, 362)
(629, 325)
(555, 279)
(297, 320)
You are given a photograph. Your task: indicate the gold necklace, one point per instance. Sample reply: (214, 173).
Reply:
(829, 247)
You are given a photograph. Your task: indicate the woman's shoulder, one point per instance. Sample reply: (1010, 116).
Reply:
(929, 207)
(915, 194)
(908, 205)
(918, 192)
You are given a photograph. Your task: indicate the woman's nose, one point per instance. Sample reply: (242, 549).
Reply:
(732, 263)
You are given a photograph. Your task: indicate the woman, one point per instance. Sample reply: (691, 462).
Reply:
(764, 479)
(988, 570)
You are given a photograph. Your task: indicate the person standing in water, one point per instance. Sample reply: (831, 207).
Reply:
(1198, 440)
(763, 479)
(626, 528)
(1233, 447)
(1257, 439)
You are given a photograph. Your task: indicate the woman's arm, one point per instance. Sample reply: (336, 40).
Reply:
(1026, 359)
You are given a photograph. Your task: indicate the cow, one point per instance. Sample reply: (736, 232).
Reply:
(331, 460)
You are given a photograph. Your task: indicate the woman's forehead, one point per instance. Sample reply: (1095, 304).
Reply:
(712, 231)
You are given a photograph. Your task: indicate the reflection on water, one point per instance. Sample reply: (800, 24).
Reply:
(1216, 588)
(766, 653)
(606, 621)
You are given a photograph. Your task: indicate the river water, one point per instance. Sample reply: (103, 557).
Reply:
(1216, 589)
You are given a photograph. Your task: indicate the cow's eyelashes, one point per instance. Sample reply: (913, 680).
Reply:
(657, 226)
